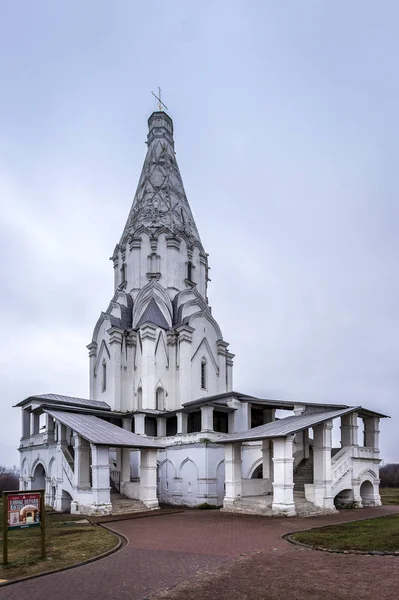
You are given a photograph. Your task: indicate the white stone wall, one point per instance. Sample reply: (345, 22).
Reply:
(191, 474)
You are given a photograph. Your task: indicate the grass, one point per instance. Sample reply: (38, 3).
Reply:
(67, 543)
(380, 535)
(389, 496)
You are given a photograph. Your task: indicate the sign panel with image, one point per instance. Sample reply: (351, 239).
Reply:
(23, 509)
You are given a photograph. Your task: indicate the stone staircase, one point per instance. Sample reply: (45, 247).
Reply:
(307, 509)
(262, 505)
(252, 505)
(121, 505)
(303, 473)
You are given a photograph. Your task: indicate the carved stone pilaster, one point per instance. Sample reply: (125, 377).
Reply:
(173, 242)
(134, 243)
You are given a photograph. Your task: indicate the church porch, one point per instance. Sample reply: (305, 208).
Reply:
(351, 474)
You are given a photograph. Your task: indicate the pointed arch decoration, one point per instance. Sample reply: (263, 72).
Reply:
(103, 353)
(162, 344)
(184, 462)
(139, 395)
(153, 290)
(208, 317)
(202, 345)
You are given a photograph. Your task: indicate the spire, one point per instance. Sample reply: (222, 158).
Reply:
(160, 199)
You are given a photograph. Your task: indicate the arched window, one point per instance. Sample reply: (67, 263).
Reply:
(123, 273)
(140, 398)
(160, 399)
(104, 378)
(190, 271)
(203, 374)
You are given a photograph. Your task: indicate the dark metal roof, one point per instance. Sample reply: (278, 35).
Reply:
(153, 314)
(67, 400)
(286, 426)
(100, 432)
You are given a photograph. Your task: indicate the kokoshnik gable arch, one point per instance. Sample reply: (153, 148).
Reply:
(162, 420)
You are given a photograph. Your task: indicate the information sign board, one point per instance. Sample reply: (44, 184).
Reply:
(23, 509)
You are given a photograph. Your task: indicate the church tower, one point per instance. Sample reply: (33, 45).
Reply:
(157, 346)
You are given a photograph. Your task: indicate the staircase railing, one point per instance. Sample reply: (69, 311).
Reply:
(341, 464)
(67, 470)
(68, 457)
(115, 477)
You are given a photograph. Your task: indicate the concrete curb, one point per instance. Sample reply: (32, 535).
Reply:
(122, 543)
(288, 538)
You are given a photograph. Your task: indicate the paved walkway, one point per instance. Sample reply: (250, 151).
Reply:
(166, 551)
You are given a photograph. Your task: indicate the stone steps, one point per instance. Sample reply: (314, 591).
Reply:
(303, 473)
(262, 505)
(304, 508)
(123, 506)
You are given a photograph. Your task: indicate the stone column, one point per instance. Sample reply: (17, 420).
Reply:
(49, 437)
(267, 459)
(35, 423)
(82, 462)
(269, 415)
(172, 401)
(185, 338)
(115, 341)
(222, 364)
(322, 465)
(139, 423)
(349, 434)
(92, 348)
(233, 473)
(371, 432)
(148, 477)
(283, 470)
(148, 338)
(173, 276)
(47, 491)
(181, 422)
(125, 456)
(116, 267)
(229, 375)
(25, 423)
(238, 420)
(100, 477)
(136, 273)
(206, 418)
(161, 427)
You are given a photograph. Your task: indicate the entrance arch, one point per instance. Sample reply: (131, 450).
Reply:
(39, 477)
(367, 493)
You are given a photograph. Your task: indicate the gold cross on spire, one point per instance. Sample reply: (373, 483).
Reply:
(161, 105)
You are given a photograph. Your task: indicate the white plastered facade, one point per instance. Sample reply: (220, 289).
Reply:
(160, 368)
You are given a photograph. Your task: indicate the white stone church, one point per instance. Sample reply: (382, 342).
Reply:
(163, 423)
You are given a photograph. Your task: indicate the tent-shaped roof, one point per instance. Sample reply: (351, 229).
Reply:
(100, 432)
(152, 314)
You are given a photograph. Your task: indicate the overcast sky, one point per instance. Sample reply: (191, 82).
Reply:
(286, 129)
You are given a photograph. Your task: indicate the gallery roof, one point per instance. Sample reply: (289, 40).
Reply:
(65, 400)
(286, 426)
(100, 432)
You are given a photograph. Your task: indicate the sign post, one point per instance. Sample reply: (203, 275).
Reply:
(22, 510)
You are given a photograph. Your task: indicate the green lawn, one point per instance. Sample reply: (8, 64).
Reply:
(389, 496)
(379, 534)
(68, 542)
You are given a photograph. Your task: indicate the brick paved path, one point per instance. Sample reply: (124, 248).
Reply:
(165, 551)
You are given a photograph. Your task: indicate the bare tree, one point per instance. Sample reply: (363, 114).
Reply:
(8, 479)
(389, 475)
